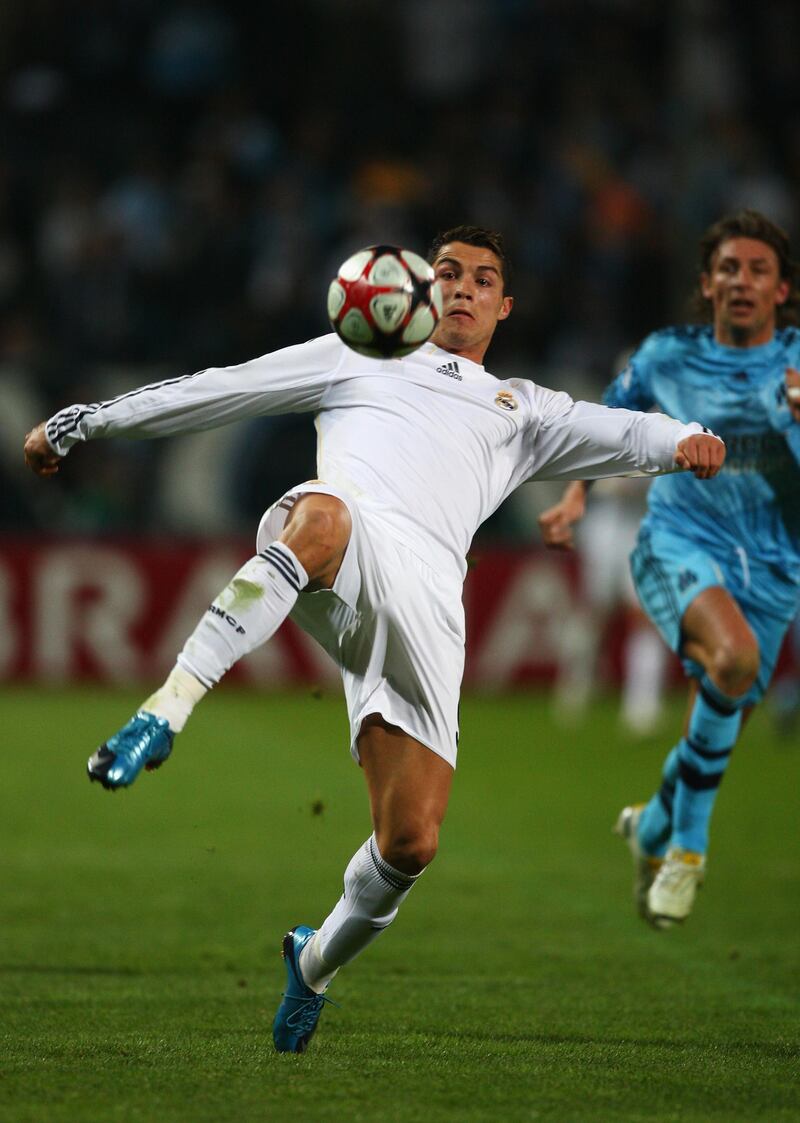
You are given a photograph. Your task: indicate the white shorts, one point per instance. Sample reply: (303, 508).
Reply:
(393, 625)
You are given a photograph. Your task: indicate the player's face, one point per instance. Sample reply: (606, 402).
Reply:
(745, 288)
(473, 301)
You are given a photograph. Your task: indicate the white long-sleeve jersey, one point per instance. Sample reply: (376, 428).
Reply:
(429, 445)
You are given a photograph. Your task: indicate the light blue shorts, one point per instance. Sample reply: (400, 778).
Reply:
(669, 571)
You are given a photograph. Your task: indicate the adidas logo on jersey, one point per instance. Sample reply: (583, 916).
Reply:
(451, 370)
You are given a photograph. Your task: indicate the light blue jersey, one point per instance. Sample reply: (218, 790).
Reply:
(740, 530)
(754, 503)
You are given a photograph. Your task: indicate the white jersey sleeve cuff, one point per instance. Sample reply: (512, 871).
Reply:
(691, 429)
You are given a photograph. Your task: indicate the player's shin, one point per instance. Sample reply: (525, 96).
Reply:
(655, 821)
(714, 726)
(247, 612)
(373, 892)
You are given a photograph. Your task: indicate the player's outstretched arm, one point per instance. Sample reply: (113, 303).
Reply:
(557, 522)
(701, 453)
(293, 380)
(586, 441)
(39, 455)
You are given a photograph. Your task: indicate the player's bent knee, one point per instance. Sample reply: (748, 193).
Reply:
(319, 518)
(735, 667)
(318, 531)
(409, 851)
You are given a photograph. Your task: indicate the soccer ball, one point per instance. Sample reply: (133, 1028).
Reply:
(384, 302)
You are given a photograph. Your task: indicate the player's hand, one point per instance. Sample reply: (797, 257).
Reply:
(557, 522)
(702, 454)
(39, 456)
(793, 392)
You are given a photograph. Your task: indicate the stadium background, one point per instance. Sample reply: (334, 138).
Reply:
(177, 187)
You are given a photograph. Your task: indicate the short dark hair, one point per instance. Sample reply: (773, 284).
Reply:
(750, 224)
(475, 236)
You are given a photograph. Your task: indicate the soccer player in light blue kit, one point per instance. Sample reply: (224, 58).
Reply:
(716, 567)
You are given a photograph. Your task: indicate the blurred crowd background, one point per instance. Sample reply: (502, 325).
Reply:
(179, 180)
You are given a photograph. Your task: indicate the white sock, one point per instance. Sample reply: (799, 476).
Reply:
(176, 699)
(315, 971)
(373, 892)
(247, 612)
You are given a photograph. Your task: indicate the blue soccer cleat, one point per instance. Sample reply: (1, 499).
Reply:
(298, 1014)
(145, 742)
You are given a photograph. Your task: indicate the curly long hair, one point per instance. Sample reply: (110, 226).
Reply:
(749, 224)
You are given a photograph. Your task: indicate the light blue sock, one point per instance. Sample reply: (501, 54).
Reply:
(655, 822)
(703, 755)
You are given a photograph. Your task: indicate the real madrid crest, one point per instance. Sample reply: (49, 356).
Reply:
(506, 400)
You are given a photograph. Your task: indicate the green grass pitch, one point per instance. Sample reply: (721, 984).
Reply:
(140, 931)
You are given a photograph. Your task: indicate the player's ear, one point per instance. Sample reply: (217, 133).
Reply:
(705, 286)
(505, 307)
(782, 292)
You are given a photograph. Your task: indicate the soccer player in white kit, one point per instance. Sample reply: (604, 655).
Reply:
(413, 455)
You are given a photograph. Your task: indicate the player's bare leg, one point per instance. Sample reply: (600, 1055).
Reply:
(718, 637)
(409, 786)
(317, 531)
(246, 613)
